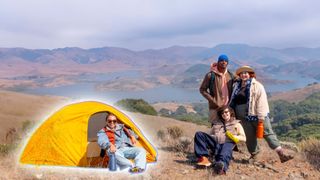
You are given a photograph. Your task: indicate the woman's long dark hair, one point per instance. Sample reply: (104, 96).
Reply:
(221, 109)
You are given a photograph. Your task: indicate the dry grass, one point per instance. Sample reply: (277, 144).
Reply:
(13, 138)
(18, 107)
(311, 150)
(173, 140)
(174, 132)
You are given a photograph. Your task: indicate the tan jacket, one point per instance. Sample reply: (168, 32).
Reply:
(219, 134)
(258, 105)
(216, 100)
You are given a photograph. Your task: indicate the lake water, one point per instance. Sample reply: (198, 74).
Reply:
(85, 89)
(297, 82)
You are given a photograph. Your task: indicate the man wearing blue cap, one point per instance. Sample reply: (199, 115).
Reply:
(216, 86)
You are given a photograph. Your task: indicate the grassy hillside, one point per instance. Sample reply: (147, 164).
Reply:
(297, 121)
(171, 164)
(136, 105)
(194, 112)
(296, 95)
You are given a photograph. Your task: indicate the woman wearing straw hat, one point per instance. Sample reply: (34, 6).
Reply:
(249, 99)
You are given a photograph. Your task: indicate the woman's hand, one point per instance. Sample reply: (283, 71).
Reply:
(113, 148)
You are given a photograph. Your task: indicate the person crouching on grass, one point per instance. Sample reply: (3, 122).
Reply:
(224, 135)
(117, 139)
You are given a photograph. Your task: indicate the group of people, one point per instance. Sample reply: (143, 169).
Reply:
(237, 104)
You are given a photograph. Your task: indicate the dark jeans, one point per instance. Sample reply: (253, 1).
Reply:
(223, 152)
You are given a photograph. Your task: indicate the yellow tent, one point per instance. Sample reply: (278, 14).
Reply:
(63, 138)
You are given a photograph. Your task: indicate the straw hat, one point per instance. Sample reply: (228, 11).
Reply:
(243, 69)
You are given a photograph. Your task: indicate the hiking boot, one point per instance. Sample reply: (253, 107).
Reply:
(218, 168)
(203, 161)
(284, 157)
(253, 158)
(136, 170)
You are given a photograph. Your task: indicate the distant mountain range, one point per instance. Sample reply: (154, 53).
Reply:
(174, 65)
(174, 54)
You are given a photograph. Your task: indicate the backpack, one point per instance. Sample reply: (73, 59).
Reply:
(211, 83)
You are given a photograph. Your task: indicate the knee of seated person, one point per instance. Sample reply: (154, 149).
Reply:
(141, 150)
(198, 133)
(227, 153)
(117, 153)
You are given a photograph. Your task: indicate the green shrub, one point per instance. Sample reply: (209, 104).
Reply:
(26, 125)
(299, 128)
(161, 134)
(201, 109)
(184, 145)
(137, 105)
(165, 112)
(6, 148)
(181, 110)
(174, 141)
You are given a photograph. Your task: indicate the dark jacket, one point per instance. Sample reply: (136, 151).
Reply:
(215, 98)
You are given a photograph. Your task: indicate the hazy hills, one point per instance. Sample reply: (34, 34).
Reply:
(177, 65)
(171, 55)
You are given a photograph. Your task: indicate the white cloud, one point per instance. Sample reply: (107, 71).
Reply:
(142, 24)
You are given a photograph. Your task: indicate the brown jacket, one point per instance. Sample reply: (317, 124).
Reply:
(219, 134)
(215, 98)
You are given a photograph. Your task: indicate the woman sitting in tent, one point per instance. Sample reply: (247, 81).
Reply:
(224, 134)
(117, 139)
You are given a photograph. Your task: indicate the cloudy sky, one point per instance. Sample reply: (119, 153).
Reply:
(145, 24)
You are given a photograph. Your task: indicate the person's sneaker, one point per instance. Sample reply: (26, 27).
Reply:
(218, 168)
(284, 157)
(203, 161)
(136, 170)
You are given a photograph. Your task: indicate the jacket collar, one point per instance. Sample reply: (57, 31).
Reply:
(215, 70)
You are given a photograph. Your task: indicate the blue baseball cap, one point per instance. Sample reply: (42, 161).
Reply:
(223, 57)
